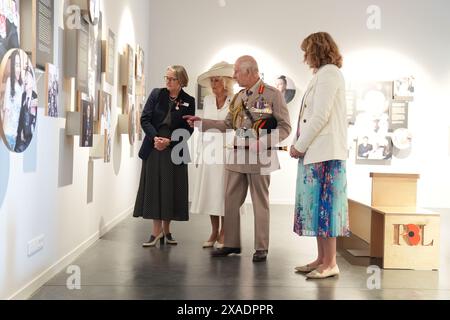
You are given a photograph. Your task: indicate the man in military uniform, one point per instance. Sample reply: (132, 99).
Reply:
(258, 106)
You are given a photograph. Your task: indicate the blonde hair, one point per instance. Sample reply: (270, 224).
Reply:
(228, 84)
(320, 49)
(181, 74)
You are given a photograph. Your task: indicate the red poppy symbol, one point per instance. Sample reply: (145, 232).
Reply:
(413, 234)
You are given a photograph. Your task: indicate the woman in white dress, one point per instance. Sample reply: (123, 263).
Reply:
(209, 193)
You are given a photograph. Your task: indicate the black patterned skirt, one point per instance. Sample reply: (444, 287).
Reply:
(163, 190)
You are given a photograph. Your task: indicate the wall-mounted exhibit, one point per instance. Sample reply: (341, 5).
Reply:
(37, 30)
(9, 26)
(18, 100)
(52, 85)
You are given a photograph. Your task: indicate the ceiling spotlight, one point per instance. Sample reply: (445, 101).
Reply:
(222, 3)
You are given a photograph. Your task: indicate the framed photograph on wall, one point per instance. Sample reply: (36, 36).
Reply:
(105, 125)
(140, 63)
(52, 86)
(131, 69)
(109, 57)
(202, 92)
(9, 26)
(87, 120)
(18, 100)
(374, 149)
(404, 89)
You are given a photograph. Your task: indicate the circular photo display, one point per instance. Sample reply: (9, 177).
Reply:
(402, 139)
(18, 100)
(287, 87)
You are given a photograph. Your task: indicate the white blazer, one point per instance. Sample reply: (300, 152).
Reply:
(323, 118)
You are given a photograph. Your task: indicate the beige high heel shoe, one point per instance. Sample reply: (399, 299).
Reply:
(153, 240)
(208, 244)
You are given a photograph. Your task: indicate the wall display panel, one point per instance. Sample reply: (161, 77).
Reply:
(399, 111)
(82, 78)
(9, 26)
(37, 26)
(109, 57)
(90, 10)
(52, 85)
(92, 67)
(131, 119)
(18, 100)
(131, 69)
(140, 63)
(44, 16)
(404, 89)
(127, 69)
(87, 120)
(105, 126)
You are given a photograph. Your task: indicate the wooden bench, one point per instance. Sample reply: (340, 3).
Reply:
(397, 231)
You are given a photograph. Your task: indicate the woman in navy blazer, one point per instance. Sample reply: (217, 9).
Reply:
(163, 189)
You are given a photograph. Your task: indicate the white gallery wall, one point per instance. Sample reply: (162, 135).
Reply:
(413, 40)
(53, 190)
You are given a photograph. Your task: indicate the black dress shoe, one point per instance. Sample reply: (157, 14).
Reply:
(170, 240)
(225, 251)
(260, 256)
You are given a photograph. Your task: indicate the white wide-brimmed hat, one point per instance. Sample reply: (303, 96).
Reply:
(221, 69)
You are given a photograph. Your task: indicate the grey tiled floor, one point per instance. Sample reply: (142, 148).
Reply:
(117, 267)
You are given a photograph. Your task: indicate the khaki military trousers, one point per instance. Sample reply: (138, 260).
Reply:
(236, 187)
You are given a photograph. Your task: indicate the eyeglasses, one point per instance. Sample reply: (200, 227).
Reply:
(168, 79)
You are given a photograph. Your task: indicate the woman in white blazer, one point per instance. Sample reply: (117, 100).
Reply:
(321, 208)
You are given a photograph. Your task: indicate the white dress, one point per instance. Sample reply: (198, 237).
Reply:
(209, 194)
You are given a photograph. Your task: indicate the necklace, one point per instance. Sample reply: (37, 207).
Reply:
(172, 99)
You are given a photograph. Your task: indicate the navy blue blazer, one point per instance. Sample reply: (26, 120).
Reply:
(155, 111)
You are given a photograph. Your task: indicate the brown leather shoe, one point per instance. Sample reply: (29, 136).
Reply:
(260, 256)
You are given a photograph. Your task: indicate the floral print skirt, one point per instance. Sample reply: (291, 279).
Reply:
(321, 206)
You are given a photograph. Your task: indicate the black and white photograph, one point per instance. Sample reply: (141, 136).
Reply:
(374, 147)
(18, 100)
(52, 91)
(87, 121)
(9, 26)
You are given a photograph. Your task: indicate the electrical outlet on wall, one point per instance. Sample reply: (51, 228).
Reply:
(36, 245)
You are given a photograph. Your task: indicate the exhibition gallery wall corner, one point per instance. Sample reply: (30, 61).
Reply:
(72, 87)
